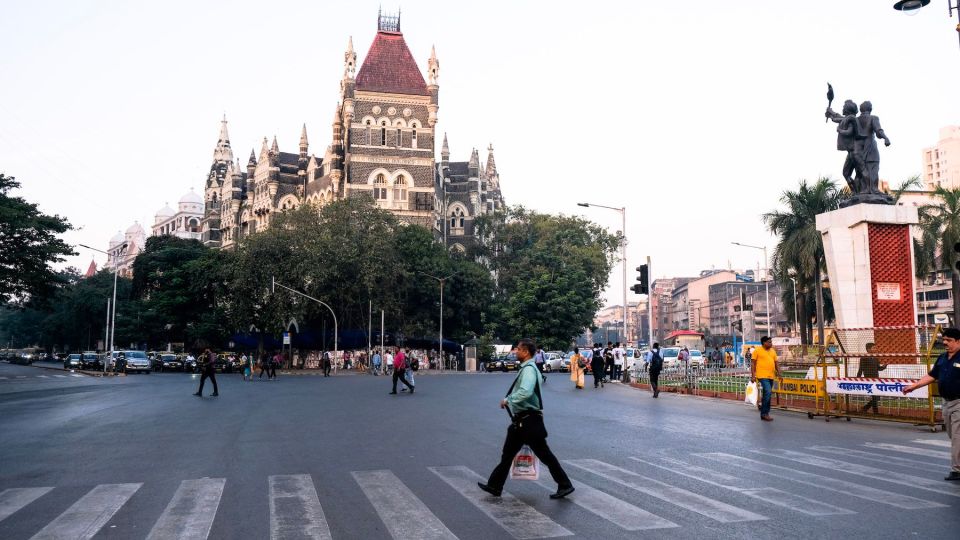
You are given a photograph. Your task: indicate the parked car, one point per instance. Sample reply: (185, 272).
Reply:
(553, 361)
(697, 360)
(170, 362)
(90, 360)
(507, 362)
(638, 358)
(130, 361)
(670, 357)
(73, 361)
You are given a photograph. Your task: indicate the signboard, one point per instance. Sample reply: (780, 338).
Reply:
(873, 387)
(888, 292)
(941, 318)
(286, 338)
(801, 387)
(745, 278)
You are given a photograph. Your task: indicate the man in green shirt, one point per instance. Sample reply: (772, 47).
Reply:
(524, 403)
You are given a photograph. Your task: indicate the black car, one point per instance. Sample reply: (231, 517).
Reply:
(169, 362)
(73, 361)
(191, 364)
(504, 363)
(90, 360)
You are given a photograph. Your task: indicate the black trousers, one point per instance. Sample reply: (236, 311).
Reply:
(654, 380)
(598, 377)
(398, 376)
(326, 369)
(212, 374)
(512, 445)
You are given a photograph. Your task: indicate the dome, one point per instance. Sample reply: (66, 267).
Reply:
(117, 239)
(134, 229)
(164, 213)
(191, 198)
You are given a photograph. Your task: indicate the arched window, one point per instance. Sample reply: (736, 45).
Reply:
(456, 221)
(400, 189)
(380, 187)
(369, 123)
(399, 138)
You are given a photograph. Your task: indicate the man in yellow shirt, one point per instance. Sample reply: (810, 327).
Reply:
(764, 368)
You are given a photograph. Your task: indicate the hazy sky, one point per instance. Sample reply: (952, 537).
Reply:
(696, 115)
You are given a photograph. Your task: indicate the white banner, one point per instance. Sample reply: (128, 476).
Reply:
(873, 387)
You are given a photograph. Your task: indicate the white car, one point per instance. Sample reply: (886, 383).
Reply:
(670, 357)
(638, 358)
(697, 360)
(553, 361)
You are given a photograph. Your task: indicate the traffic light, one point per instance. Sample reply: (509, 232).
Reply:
(644, 278)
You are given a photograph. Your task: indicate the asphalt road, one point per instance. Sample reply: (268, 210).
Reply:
(308, 457)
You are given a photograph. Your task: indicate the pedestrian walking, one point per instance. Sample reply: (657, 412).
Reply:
(539, 359)
(578, 365)
(325, 361)
(597, 366)
(264, 365)
(277, 361)
(399, 371)
(946, 373)
(764, 368)
(245, 368)
(608, 361)
(209, 371)
(412, 361)
(619, 354)
(524, 404)
(388, 360)
(655, 361)
(870, 367)
(376, 361)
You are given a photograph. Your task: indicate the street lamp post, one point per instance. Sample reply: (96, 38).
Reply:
(274, 285)
(623, 256)
(113, 316)
(912, 7)
(442, 281)
(766, 280)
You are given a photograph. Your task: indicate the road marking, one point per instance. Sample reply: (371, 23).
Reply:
(4, 378)
(42, 377)
(705, 506)
(933, 442)
(61, 376)
(515, 516)
(21, 376)
(295, 510)
(14, 499)
(73, 375)
(82, 520)
(873, 456)
(909, 450)
(866, 471)
(190, 513)
(749, 488)
(405, 515)
(824, 482)
(623, 514)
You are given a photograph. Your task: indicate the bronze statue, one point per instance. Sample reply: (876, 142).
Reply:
(857, 135)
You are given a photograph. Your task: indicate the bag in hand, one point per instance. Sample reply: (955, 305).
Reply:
(526, 466)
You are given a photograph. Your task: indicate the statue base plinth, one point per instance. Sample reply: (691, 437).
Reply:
(869, 253)
(867, 198)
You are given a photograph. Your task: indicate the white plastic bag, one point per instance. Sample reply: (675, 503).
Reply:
(751, 393)
(526, 466)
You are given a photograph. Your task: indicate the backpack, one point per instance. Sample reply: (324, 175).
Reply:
(414, 364)
(656, 361)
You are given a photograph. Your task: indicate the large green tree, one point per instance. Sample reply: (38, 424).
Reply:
(940, 232)
(30, 245)
(799, 251)
(550, 272)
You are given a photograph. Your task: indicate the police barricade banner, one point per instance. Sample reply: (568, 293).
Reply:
(854, 386)
(800, 387)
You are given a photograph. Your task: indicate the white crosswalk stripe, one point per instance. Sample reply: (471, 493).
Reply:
(61, 376)
(934, 442)
(866, 471)
(295, 510)
(748, 488)
(190, 513)
(515, 516)
(705, 506)
(876, 457)
(91, 512)
(404, 515)
(81, 376)
(14, 499)
(4, 378)
(824, 482)
(621, 513)
(910, 450)
(42, 377)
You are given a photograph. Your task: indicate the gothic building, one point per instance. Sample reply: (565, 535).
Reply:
(382, 146)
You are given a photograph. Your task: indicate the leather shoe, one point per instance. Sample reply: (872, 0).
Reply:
(561, 492)
(412, 389)
(197, 394)
(766, 418)
(490, 490)
(392, 392)
(954, 476)
(215, 394)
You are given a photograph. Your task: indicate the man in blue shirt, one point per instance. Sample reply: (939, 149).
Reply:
(946, 373)
(525, 406)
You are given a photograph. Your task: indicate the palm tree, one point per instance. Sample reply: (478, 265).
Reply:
(799, 251)
(940, 233)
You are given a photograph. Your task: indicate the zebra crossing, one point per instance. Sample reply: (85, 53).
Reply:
(646, 493)
(33, 377)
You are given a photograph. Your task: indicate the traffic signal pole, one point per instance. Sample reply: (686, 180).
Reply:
(649, 309)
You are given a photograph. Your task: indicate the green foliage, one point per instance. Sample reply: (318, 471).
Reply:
(29, 246)
(550, 272)
(939, 233)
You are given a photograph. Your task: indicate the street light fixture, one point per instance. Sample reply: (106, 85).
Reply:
(766, 280)
(273, 287)
(912, 7)
(623, 255)
(441, 280)
(113, 317)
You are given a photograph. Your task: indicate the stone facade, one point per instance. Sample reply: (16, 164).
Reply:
(382, 146)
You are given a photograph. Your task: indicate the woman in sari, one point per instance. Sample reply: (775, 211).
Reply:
(576, 371)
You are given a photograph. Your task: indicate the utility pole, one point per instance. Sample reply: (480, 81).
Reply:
(274, 285)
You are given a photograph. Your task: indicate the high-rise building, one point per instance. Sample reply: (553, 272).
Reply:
(941, 163)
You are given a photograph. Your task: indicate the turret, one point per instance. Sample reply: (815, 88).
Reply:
(304, 145)
(433, 76)
(251, 164)
(491, 164)
(445, 154)
(473, 168)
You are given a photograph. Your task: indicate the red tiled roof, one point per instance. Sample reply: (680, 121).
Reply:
(683, 333)
(389, 67)
(91, 270)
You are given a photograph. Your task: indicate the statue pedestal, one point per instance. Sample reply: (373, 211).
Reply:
(869, 252)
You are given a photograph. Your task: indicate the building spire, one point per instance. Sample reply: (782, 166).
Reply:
(433, 68)
(253, 158)
(491, 164)
(474, 166)
(274, 147)
(445, 149)
(349, 60)
(223, 152)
